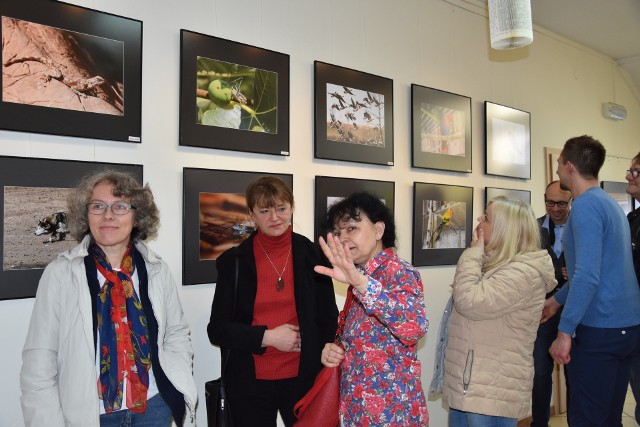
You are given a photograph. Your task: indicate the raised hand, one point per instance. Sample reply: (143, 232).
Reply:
(344, 270)
(477, 238)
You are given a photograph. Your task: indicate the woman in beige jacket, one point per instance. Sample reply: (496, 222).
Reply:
(498, 294)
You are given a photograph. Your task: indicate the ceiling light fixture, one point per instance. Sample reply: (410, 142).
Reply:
(510, 23)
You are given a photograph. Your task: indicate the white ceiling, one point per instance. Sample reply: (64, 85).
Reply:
(611, 27)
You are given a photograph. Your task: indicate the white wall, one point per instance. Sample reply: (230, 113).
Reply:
(428, 42)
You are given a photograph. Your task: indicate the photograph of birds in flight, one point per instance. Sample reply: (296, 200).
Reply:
(355, 116)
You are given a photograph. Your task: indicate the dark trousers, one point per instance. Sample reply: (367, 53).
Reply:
(543, 373)
(266, 400)
(634, 380)
(599, 374)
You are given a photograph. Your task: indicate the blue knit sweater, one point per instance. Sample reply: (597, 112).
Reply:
(603, 289)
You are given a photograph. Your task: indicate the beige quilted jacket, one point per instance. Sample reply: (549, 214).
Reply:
(488, 360)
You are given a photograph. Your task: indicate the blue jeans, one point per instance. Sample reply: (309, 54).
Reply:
(543, 373)
(599, 374)
(157, 414)
(469, 419)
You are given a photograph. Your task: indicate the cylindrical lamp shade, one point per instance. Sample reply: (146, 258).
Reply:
(510, 23)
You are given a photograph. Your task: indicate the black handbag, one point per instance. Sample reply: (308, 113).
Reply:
(217, 407)
(218, 414)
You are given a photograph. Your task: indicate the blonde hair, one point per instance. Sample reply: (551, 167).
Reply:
(514, 231)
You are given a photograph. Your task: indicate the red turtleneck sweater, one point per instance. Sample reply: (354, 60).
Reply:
(272, 307)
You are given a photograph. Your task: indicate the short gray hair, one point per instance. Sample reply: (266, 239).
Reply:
(147, 216)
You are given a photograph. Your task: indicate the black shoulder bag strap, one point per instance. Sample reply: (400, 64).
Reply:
(223, 392)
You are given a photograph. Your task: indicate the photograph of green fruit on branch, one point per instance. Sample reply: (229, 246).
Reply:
(355, 116)
(235, 96)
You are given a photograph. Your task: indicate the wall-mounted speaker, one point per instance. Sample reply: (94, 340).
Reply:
(614, 111)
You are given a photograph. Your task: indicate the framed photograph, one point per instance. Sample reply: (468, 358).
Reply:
(233, 96)
(34, 228)
(441, 130)
(69, 70)
(508, 141)
(442, 223)
(215, 218)
(551, 156)
(353, 115)
(492, 192)
(618, 191)
(329, 190)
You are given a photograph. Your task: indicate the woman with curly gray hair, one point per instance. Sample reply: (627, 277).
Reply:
(108, 343)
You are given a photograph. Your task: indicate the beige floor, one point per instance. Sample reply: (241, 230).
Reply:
(627, 414)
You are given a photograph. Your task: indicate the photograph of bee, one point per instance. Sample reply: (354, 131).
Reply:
(241, 95)
(441, 129)
(34, 228)
(442, 223)
(235, 96)
(330, 190)
(215, 218)
(69, 70)
(353, 115)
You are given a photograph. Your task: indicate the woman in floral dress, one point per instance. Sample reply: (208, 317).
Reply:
(380, 383)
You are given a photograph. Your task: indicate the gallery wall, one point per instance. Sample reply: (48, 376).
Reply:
(428, 42)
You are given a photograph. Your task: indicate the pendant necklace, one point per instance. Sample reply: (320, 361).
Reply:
(280, 283)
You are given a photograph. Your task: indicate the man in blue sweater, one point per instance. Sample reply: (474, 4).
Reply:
(601, 300)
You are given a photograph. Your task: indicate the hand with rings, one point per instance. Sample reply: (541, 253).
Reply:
(332, 355)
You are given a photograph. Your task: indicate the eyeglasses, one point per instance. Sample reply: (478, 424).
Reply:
(634, 173)
(552, 203)
(118, 208)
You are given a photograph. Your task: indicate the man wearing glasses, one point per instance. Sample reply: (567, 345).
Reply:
(599, 329)
(633, 188)
(557, 202)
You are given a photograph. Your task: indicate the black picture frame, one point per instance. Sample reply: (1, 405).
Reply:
(327, 187)
(507, 141)
(618, 192)
(31, 189)
(101, 99)
(442, 223)
(492, 192)
(440, 130)
(242, 69)
(221, 185)
(363, 107)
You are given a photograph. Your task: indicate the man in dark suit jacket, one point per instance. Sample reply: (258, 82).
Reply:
(633, 188)
(557, 203)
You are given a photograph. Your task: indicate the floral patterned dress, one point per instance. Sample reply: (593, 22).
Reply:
(380, 383)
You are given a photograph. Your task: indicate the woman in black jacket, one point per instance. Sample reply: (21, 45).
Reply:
(277, 319)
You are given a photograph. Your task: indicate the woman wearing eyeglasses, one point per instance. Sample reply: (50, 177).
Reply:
(108, 343)
(278, 316)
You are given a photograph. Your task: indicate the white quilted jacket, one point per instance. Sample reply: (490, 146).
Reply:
(489, 356)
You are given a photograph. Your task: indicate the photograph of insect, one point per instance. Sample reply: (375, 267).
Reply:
(236, 96)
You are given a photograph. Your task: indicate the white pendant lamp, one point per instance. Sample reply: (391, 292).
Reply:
(510, 23)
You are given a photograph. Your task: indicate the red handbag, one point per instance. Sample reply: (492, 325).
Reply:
(319, 407)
